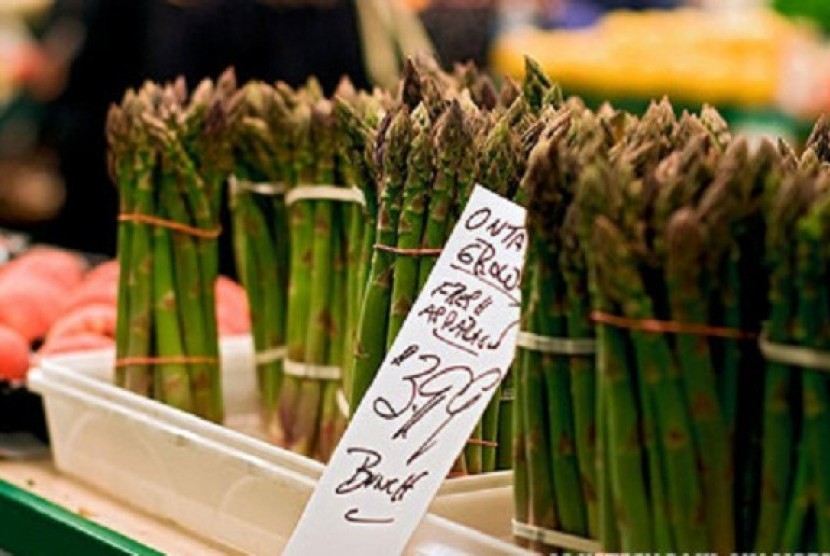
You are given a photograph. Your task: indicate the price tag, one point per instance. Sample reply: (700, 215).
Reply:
(442, 370)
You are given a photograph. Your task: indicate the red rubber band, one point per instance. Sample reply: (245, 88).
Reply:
(479, 442)
(672, 327)
(170, 224)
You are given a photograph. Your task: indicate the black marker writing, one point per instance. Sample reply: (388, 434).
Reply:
(455, 389)
(478, 259)
(512, 236)
(352, 516)
(457, 294)
(461, 331)
(367, 476)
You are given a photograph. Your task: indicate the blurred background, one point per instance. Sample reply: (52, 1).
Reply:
(764, 64)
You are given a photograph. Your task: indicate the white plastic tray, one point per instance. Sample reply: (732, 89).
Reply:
(481, 502)
(218, 483)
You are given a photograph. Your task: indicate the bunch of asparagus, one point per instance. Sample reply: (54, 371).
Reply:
(794, 490)
(446, 133)
(672, 224)
(301, 261)
(263, 168)
(169, 153)
(555, 484)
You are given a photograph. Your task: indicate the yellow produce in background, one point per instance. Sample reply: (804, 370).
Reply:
(730, 58)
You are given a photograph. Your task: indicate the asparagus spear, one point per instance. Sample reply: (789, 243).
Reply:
(416, 188)
(301, 221)
(134, 159)
(453, 150)
(537, 454)
(811, 280)
(332, 420)
(535, 85)
(777, 466)
(687, 242)
(371, 338)
(321, 325)
(356, 137)
(582, 368)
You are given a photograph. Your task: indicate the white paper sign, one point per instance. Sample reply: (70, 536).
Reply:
(453, 350)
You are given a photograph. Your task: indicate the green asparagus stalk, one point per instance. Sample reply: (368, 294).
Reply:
(321, 326)
(811, 280)
(686, 241)
(519, 445)
(536, 84)
(172, 383)
(673, 437)
(537, 454)
(794, 535)
(356, 137)
(372, 331)
(332, 419)
(778, 433)
(453, 150)
(583, 372)
(416, 189)
(301, 225)
(133, 160)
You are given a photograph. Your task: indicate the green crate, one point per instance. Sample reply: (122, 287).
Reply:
(31, 525)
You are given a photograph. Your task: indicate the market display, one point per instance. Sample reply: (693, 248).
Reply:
(170, 154)
(667, 392)
(663, 175)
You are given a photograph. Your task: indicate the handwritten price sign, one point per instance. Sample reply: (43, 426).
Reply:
(452, 352)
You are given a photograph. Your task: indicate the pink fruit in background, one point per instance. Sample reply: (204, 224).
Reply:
(84, 341)
(30, 306)
(232, 312)
(95, 319)
(60, 267)
(14, 355)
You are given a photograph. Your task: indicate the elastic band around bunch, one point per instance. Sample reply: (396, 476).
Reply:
(260, 187)
(343, 403)
(555, 538)
(270, 355)
(672, 327)
(307, 370)
(170, 225)
(797, 356)
(480, 442)
(172, 360)
(420, 252)
(324, 193)
(557, 346)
